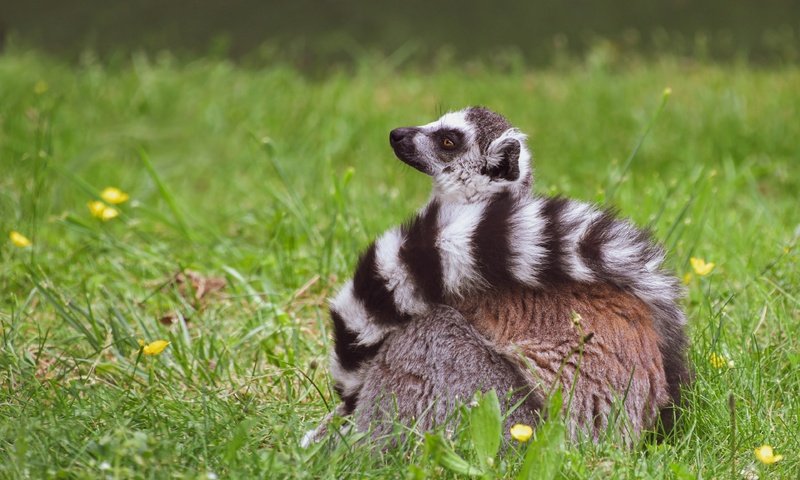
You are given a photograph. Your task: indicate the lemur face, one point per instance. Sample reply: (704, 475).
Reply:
(471, 154)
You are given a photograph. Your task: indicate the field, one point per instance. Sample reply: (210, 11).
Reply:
(270, 182)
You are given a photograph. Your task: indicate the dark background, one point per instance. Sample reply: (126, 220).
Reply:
(313, 33)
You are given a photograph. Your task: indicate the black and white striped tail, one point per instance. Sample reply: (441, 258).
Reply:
(448, 251)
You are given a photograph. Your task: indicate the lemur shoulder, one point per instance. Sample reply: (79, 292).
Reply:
(518, 269)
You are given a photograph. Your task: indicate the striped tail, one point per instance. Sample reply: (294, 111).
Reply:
(448, 251)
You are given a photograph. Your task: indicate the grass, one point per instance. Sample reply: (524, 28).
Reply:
(274, 181)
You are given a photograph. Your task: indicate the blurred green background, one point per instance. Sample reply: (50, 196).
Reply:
(314, 34)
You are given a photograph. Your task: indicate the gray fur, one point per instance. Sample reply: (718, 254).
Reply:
(430, 367)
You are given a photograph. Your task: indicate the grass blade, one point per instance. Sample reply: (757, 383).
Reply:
(166, 195)
(612, 187)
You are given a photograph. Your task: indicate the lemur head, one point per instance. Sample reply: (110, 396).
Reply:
(472, 154)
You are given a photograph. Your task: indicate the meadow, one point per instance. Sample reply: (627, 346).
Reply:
(252, 191)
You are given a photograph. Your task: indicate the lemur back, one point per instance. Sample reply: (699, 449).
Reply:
(597, 343)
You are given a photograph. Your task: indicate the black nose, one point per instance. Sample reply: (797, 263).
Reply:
(399, 134)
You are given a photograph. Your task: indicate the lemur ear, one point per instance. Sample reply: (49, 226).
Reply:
(502, 159)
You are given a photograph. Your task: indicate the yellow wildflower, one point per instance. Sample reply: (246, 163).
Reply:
(96, 208)
(114, 196)
(687, 278)
(40, 87)
(102, 211)
(521, 433)
(765, 455)
(154, 348)
(109, 213)
(19, 239)
(701, 267)
(719, 361)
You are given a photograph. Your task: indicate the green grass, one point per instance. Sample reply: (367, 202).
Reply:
(275, 181)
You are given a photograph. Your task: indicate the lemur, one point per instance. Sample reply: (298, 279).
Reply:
(489, 286)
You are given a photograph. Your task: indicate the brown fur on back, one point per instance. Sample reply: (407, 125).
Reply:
(618, 359)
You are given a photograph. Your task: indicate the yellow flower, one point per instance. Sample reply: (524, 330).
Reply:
(765, 455)
(19, 239)
(114, 195)
(102, 211)
(154, 348)
(521, 433)
(701, 267)
(718, 361)
(687, 278)
(109, 213)
(40, 87)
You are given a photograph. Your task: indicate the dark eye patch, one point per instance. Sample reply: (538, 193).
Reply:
(455, 136)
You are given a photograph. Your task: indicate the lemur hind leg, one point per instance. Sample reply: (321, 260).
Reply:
(426, 369)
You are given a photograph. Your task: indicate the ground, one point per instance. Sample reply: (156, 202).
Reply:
(252, 191)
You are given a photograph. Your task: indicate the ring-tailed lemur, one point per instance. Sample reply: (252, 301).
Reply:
(483, 239)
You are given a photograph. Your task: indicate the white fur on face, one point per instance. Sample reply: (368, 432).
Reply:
(428, 149)
(454, 120)
(462, 183)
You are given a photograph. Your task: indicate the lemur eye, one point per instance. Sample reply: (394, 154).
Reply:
(448, 144)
